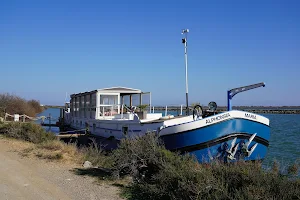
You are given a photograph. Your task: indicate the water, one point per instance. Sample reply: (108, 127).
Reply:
(54, 112)
(284, 142)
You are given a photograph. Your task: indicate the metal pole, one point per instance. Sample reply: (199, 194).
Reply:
(186, 79)
(180, 109)
(150, 102)
(184, 40)
(228, 101)
(166, 110)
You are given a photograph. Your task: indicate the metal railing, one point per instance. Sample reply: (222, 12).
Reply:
(108, 111)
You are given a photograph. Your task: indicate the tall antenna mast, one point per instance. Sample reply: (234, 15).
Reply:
(66, 97)
(184, 41)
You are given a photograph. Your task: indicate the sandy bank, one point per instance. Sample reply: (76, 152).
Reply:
(32, 178)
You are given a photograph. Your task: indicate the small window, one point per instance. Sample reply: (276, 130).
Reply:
(125, 130)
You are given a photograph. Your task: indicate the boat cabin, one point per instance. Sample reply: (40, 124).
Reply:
(104, 103)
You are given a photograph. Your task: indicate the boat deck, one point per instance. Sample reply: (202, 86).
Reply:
(162, 120)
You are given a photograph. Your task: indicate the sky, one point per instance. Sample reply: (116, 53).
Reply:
(50, 48)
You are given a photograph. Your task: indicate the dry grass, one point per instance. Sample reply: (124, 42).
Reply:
(17, 145)
(57, 150)
(53, 150)
(47, 146)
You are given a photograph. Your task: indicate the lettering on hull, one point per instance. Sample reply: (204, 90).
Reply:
(251, 116)
(218, 118)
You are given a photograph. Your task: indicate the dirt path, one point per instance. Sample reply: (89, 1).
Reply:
(29, 178)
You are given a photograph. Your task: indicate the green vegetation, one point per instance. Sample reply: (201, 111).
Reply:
(16, 105)
(152, 172)
(142, 107)
(96, 155)
(26, 131)
(160, 174)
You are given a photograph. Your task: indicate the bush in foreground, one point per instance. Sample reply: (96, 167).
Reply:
(26, 131)
(96, 155)
(161, 174)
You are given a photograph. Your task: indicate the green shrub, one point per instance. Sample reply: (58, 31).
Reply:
(157, 172)
(160, 174)
(96, 155)
(26, 131)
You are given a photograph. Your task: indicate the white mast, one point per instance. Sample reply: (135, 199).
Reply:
(184, 41)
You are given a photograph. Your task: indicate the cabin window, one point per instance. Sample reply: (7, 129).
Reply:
(125, 130)
(81, 106)
(84, 107)
(73, 108)
(92, 105)
(77, 106)
(108, 99)
(87, 105)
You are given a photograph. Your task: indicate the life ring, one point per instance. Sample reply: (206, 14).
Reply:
(167, 117)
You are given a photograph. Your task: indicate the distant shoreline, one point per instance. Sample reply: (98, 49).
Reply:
(259, 110)
(253, 109)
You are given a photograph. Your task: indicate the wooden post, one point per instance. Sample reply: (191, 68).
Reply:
(23, 117)
(140, 101)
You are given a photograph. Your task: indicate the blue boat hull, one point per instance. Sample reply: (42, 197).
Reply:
(213, 141)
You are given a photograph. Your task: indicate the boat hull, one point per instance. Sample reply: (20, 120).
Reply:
(214, 140)
(223, 136)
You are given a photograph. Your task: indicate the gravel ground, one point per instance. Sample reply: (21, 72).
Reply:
(32, 178)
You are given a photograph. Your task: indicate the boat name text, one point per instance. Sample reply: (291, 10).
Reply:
(250, 116)
(218, 118)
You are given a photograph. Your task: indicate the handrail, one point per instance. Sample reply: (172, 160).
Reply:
(179, 107)
(24, 117)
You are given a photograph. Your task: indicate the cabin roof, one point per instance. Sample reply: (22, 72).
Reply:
(118, 89)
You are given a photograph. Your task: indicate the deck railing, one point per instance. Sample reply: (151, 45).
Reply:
(107, 111)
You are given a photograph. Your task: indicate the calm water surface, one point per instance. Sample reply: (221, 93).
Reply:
(284, 141)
